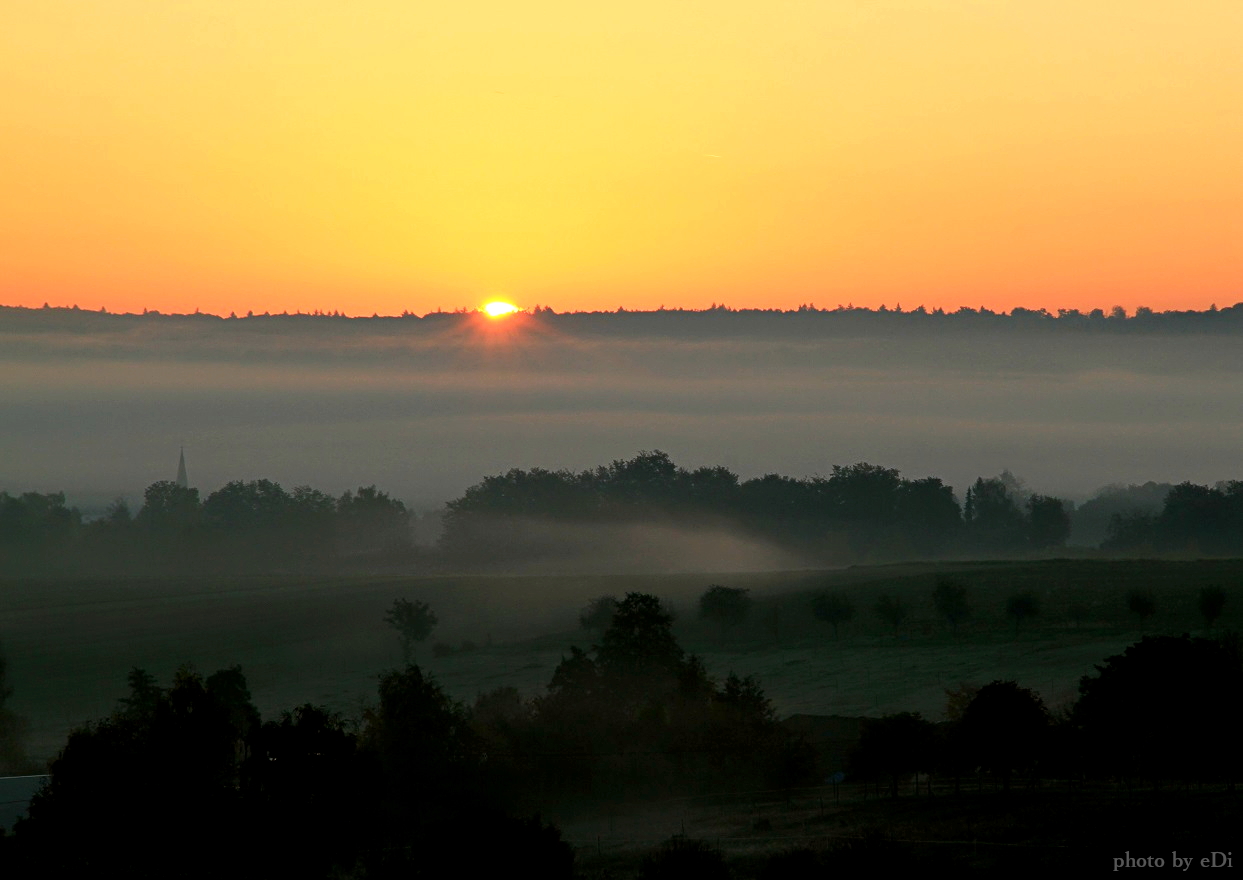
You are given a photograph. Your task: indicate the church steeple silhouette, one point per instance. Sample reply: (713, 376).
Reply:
(182, 481)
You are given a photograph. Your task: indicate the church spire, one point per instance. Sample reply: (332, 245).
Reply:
(182, 481)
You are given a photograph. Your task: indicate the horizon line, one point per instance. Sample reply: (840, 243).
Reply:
(1113, 313)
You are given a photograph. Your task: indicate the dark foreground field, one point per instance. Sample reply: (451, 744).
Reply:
(70, 644)
(818, 833)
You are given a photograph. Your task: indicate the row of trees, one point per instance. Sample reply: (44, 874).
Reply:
(1167, 709)
(951, 601)
(860, 511)
(254, 525)
(806, 316)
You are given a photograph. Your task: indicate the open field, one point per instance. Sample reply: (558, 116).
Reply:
(71, 643)
(1027, 833)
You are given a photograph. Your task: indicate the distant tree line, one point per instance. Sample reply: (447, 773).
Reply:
(243, 526)
(808, 316)
(1194, 519)
(858, 512)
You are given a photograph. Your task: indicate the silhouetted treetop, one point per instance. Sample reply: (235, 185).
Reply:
(1166, 704)
(639, 642)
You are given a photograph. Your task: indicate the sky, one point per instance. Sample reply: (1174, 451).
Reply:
(379, 156)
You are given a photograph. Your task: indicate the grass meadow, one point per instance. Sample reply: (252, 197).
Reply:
(70, 643)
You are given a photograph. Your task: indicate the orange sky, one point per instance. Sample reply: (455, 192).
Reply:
(384, 155)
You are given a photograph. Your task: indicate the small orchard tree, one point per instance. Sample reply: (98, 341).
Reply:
(892, 611)
(1141, 604)
(833, 609)
(598, 613)
(414, 622)
(950, 600)
(1021, 607)
(728, 606)
(1212, 601)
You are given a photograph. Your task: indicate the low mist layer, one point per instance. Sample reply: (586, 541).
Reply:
(97, 405)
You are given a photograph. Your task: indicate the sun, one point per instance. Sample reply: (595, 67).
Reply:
(499, 309)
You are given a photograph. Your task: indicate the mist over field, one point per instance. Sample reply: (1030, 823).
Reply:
(97, 405)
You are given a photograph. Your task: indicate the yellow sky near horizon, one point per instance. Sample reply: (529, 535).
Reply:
(379, 156)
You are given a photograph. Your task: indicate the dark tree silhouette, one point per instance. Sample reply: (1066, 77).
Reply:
(257, 506)
(1022, 607)
(862, 502)
(992, 516)
(414, 622)
(598, 613)
(422, 738)
(929, 515)
(1196, 519)
(869, 510)
(892, 611)
(303, 766)
(36, 530)
(1134, 530)
(1048, 522)
(370, 522)
(639, 644)
(638, 693)
(727, 606)
(173, 771)
(1005, 726)
(1212, 601)
(184, 782)
(950, 600)
(169, 507)
(894, 746)
(144, 694)
(1142, 604)
(1167, 706)
(833, 609)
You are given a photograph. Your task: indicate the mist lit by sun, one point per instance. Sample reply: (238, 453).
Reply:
(499, 309)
